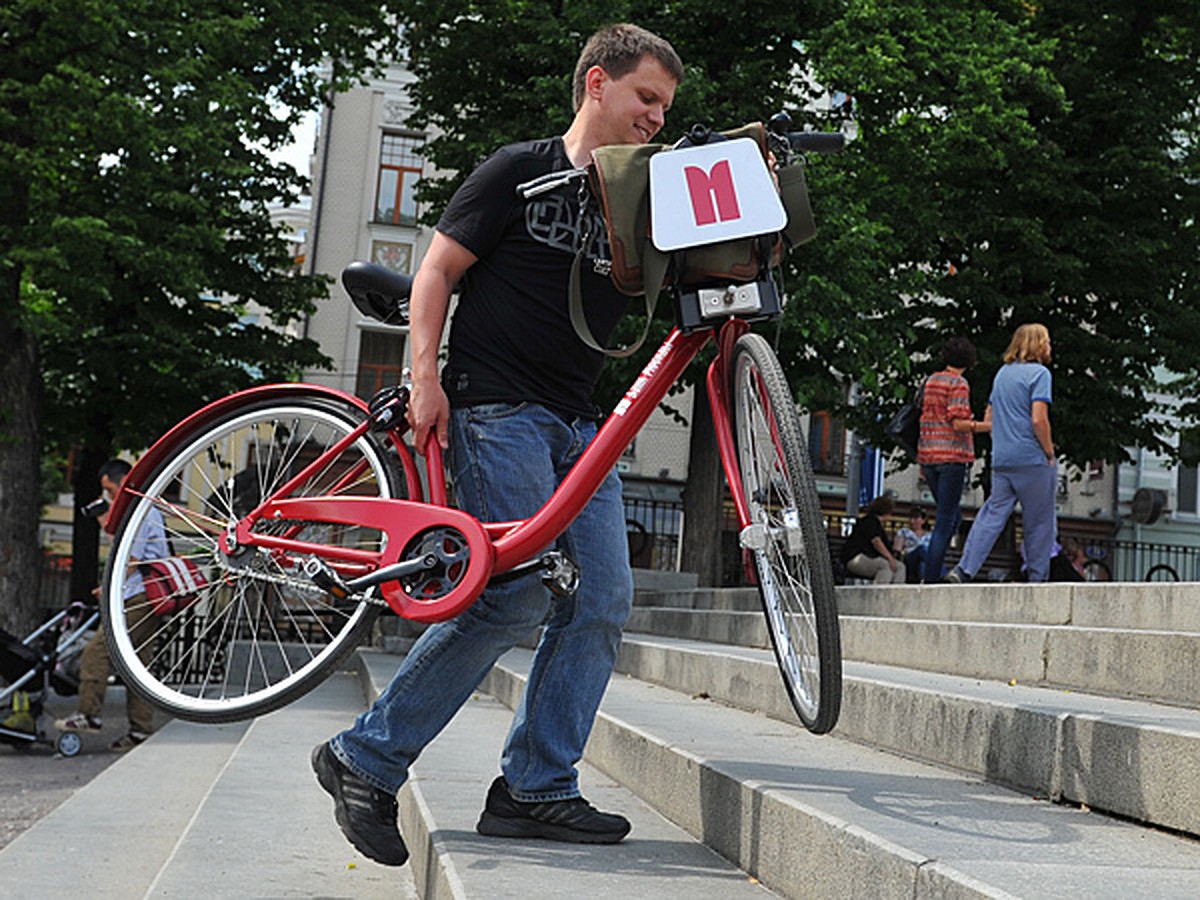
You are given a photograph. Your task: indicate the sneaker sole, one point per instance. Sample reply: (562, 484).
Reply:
(492, 825)
(330, 784)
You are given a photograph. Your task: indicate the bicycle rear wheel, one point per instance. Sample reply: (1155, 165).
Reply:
(786, 538)
(259, 633)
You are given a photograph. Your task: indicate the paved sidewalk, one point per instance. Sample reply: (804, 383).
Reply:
(34, 779)
(215, 811)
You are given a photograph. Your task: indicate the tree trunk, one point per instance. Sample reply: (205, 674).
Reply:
(702, 497)
(85, 531)
(20, 471)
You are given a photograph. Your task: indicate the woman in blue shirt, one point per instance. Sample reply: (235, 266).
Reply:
(1023, 461)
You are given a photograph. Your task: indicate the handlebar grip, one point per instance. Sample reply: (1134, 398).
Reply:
(817, 141)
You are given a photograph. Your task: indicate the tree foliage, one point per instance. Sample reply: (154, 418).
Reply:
(134, 183)
(1025, 161)
(1015, 161)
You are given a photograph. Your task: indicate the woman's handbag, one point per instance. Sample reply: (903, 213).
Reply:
(905, 427)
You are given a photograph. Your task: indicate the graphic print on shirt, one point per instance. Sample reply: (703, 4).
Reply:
(554, 220)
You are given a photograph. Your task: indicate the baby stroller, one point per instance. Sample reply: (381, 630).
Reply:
(30, 668)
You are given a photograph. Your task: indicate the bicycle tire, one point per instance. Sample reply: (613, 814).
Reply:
(794, 573)
(1162, 569)
(1096, 570)
(260, 634)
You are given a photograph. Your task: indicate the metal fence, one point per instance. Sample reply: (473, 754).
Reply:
(1141, 561)
(54, 582)
(655, 528)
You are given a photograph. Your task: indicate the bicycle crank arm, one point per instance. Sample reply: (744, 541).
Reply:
(328, 580)
(560, 574)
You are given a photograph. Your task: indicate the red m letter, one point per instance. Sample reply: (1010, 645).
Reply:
(703, 187)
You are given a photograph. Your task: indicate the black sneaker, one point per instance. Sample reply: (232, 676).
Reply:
(366, 815)
(575, 821)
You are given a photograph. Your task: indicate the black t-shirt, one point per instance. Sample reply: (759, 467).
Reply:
(866, 529)
(511, 339)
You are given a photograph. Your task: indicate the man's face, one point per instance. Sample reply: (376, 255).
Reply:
(633, 107)
(109, 487)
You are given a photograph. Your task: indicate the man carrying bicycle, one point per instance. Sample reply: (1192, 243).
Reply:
(514, 406)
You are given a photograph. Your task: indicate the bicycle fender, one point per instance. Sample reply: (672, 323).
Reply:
(149, 462)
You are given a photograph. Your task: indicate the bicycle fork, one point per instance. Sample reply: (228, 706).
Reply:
(753, 535)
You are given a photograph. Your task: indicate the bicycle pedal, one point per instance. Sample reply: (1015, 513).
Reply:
(325, 578)
(561, 575)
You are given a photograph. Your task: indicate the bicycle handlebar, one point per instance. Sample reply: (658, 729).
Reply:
(816, 141)
(780, 129)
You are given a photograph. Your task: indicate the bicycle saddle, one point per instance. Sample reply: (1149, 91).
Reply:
(378, 292)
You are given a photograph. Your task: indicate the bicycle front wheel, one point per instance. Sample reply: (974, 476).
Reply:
(786, 537)
(258, 633)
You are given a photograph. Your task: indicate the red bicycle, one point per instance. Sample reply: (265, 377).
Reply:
(306, 515)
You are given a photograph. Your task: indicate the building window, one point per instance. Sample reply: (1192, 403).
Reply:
(380, 358)
(400, 164)
(827, 444)
(1187, 484)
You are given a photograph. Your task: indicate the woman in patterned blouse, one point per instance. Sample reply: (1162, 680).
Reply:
(947, 447)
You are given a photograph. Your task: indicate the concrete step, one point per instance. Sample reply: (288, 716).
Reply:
(741, 599)
(825, 817)
(1155, 665)
(1147, 607)
(1134, 759)
(441, 802)
(224, 811)
(1120, 605)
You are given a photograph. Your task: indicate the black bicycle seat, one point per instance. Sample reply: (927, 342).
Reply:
(378, 292)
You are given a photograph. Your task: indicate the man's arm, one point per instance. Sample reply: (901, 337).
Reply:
(1040, 415)
(442, 268)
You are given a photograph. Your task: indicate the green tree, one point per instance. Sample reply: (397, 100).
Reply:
(1022, 161)
(134, 183)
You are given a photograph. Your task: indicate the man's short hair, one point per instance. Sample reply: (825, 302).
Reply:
(618, 50)
(114, 470)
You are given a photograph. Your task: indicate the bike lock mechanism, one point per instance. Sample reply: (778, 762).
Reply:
(389, 406)
(756, 536)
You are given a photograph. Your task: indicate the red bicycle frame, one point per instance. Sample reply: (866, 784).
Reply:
(496, 547)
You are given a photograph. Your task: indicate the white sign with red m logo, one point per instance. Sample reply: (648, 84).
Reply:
(717, 192)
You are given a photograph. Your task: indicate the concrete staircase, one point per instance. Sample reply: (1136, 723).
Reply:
(995, 740)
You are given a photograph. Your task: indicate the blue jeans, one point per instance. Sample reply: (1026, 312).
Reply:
(1035, 487)
(914, 563)
(506, 461)
(945, 482)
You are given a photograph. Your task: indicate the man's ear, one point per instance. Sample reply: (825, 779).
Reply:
(594, 82)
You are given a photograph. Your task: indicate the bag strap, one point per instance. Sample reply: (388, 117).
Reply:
(654, 270)
(625, 160)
